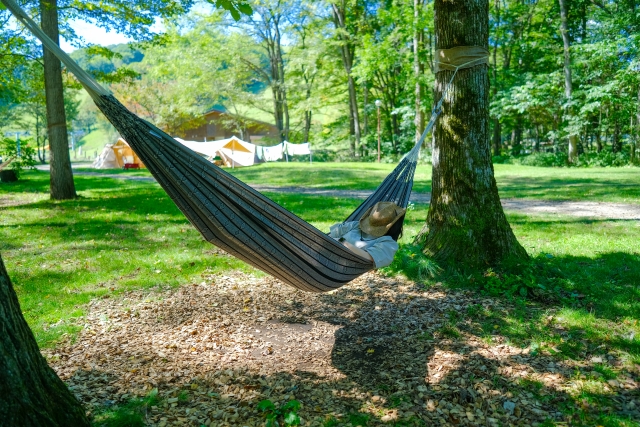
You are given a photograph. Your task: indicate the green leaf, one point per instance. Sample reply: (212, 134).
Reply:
(292, 405)
(292, 419)
(235, 14)
(2, 7)
(245, 8)
(266, 405)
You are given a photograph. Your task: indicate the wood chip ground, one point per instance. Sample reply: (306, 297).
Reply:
(214, 349)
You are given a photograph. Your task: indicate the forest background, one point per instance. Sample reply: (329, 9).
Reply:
(316, 69)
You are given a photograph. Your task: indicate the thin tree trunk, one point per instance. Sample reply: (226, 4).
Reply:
(497, 127)
(32, 394)
(616, 146)
(637, 130)
(62, 185)
(418, 68)
(466, 224)
(346, 50)
(634, 139)
(281, 77)
(598, 132)
(564, 29)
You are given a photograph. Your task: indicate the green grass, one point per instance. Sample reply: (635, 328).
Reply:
(590, 184)
(118, 235)
(620, 185)
(94, 141)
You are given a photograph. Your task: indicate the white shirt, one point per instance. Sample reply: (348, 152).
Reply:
(382, 249)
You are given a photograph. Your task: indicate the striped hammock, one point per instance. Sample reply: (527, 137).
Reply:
(229, 213)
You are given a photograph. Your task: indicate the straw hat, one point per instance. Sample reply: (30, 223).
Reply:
(379, 218)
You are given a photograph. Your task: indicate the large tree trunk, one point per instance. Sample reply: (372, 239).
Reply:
(62, 186)
(564, 29)
(31, 392)
(466, 224)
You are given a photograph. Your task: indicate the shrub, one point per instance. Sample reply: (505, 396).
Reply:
(9, 150)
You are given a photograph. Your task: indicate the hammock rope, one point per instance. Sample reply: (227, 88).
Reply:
(229, 213)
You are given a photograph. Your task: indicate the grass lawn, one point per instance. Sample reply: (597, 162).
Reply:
(582, 286)
(619, 185)
(94, 141)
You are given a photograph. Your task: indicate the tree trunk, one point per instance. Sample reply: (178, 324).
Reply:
(62, 186)
(616, 146)
(32, 394)
(418, 67)
(598, 132)
(637, 130)
(346, 49)
(466, 224)
(633, 142)
(516, 137)
(497, 127)
(564, 29)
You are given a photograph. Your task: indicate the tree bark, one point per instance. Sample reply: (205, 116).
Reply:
(497, 126)
(32, 394)
(418, 67)
(61, 181)
(564, 29)
(466, 224)
(347, 51)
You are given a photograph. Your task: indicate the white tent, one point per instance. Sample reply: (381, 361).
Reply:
(107, 159)
(115, 156)
(233, 151)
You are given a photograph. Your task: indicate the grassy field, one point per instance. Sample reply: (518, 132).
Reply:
(620, 185)
(578, 298)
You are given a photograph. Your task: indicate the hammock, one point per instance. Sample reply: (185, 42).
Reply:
(229, 213)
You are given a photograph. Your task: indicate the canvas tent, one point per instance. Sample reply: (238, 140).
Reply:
(232, 151)
(115, 156)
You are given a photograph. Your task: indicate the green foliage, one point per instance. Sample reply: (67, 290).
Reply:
(544, 159)
(605, 158)
(410, 261)
(287, 413)
(131, 414)
(237, 8)
(9, 151)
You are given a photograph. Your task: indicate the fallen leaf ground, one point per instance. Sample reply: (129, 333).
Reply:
(379, 351)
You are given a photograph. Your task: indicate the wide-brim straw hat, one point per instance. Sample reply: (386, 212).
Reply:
(379, 218)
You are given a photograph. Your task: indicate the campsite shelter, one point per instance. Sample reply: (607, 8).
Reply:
(115, 156)
(231, 151)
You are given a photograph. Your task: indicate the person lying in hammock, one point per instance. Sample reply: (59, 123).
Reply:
(375, 236)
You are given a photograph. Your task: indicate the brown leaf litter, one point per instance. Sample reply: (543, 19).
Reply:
(214, 350)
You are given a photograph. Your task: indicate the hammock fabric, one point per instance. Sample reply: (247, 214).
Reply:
(227, 212)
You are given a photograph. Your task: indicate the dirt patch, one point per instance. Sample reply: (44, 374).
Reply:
(374, 350)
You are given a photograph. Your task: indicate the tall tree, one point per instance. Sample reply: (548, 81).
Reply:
(466, 223)
(418, 66)
(568, 84)
(345, 14)
(266, 26)
(132, 18)
(32, 394)
(62, 186)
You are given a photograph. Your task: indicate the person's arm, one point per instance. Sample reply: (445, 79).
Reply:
(383, 251)
(340, 229)
(357, 251)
